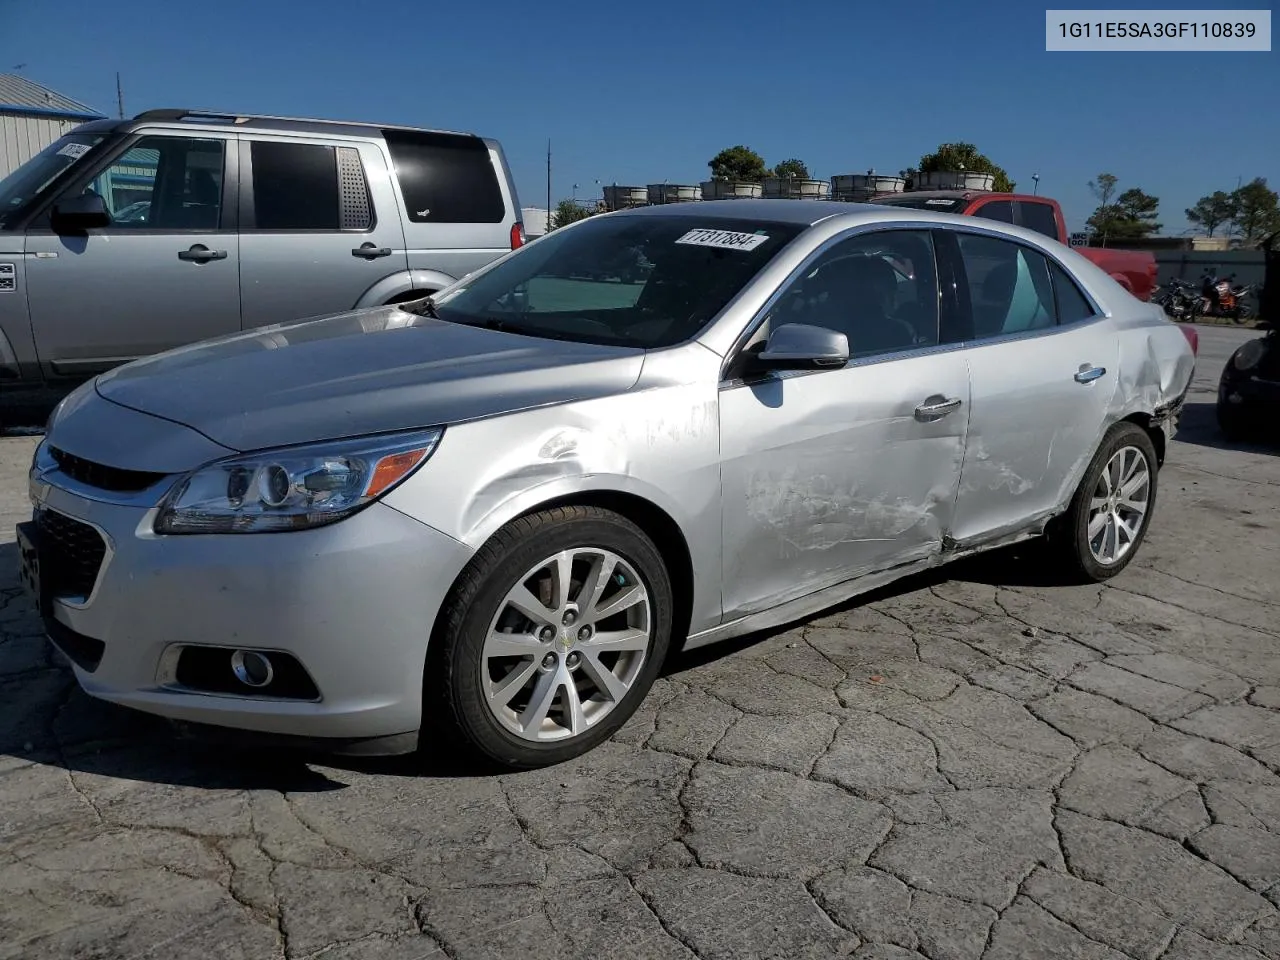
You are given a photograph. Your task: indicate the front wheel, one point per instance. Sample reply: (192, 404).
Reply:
(551, 638)
(1244, 313)
(1112, 507)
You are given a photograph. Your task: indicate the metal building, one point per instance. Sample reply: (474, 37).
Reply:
(32, 117)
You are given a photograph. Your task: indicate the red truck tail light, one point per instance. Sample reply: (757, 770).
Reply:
(1193, 338)
(517, 235)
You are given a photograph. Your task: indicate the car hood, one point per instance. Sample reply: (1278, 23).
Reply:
(357, 373)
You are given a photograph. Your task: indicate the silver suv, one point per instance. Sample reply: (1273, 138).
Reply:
(128, 237)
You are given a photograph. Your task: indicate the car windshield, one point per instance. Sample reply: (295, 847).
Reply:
(644, 281)
(941, 204)
(36, 174)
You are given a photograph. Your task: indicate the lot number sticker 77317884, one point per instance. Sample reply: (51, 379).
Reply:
(723, 239)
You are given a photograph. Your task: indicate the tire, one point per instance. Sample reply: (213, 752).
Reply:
(1235, 423)
(1244, 313)
(465, 666)
(1078, 559)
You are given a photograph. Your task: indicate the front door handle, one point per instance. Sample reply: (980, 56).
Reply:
(199, 253)
(370, 252)
(1089, 373)
(936, 407)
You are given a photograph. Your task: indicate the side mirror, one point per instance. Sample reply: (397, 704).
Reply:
(77, 214)
(799, 346)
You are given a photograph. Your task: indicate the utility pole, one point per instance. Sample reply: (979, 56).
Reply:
(119, 96)
(548, 184)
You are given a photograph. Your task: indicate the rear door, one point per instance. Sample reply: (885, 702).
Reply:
(163, 274)
(459, 213)
(1043, 366)
(319, 226)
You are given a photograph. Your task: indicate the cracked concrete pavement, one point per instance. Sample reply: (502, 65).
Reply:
(973, 764)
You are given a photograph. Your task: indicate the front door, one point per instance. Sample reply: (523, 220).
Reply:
(829, 475)
(166, 272)
(319, 228)
(1043, 368)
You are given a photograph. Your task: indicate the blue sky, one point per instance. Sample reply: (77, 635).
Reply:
(653, 91)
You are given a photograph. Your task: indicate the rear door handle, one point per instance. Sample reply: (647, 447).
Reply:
(199, 253)
(370, 252)
(936, 407)
(1088, 373)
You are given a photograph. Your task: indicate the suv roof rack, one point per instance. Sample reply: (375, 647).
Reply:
(170, 113)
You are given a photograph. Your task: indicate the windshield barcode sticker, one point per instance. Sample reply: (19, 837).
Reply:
(724, 239)
(73, 150)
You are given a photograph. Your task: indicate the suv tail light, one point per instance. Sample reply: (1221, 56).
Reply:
(517, 235)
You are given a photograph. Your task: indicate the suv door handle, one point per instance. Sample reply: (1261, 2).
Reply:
(937, 407)
(1088, 374)
(199, 253)
(370, 252)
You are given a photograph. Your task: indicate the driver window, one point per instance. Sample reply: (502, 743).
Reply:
(879, 289)
(164, 183)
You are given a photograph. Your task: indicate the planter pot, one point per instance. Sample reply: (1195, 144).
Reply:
(620, 198)
(730, 190)
(954, 180)
(673, 192)
(794, 188)
(863, 186)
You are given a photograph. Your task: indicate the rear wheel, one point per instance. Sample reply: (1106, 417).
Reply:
(551, 638)
(1109, 514)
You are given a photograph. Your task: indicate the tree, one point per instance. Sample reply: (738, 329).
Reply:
(738, 163)
(793, 168)
(1257, 211)
(567, 212)
(1132, 215)
(1212, 211)
(1138, 211)
(965, 156)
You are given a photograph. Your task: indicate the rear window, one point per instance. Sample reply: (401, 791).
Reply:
(940, 204)
(1039, 217)
(445, 178)
(295, 186)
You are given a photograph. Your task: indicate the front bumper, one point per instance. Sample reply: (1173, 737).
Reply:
(1251, 392)
(353, 602)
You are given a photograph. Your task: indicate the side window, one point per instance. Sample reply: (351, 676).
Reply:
(1001, 210)
(164, 183)
(1071, 303)
(879, 289)
(295, 186)
(1039, 217)
(445, 178)
(1008, 285)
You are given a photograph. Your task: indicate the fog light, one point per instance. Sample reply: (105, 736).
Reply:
(251, 668)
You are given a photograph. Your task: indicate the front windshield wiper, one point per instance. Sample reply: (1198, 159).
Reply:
(426, 307)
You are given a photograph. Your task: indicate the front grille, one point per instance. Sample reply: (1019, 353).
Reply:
(100, 475)
(71, 554)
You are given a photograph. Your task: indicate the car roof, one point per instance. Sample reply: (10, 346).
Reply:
(802, 212)
(241, 121)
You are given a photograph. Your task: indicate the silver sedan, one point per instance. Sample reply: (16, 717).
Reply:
(490, 513)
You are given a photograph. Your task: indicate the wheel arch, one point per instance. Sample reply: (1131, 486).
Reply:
(660, 527)
(1152, 429)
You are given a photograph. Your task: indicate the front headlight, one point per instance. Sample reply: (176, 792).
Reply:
(293, 488)
(1249, 355)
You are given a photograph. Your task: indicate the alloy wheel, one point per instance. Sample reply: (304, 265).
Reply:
(1118, 508)
(567, 643)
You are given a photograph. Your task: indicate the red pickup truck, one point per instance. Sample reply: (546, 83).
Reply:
(1135, 270)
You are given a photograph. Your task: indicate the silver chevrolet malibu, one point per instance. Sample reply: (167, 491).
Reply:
(486, 516)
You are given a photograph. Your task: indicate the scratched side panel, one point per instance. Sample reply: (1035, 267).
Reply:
(658, 441)
(1032, 426)
(829, 476)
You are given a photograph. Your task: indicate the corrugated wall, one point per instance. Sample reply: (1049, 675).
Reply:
(21, 137)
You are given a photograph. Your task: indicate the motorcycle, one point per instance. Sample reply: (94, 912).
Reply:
(1180, 300)
(1220, 297)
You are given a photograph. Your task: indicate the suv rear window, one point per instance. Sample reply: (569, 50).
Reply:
(295, 186)
(445, 178)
